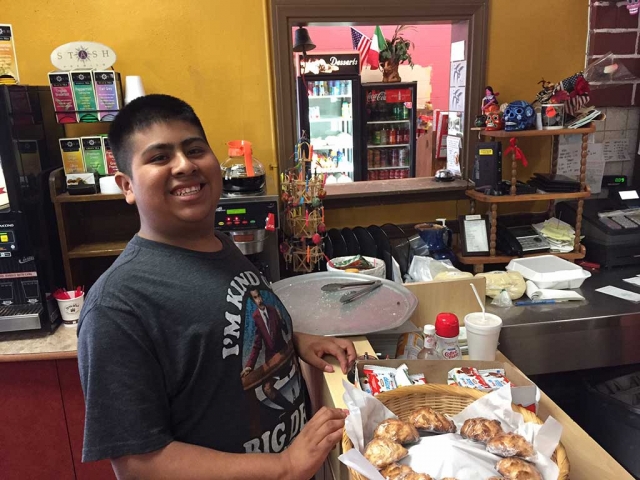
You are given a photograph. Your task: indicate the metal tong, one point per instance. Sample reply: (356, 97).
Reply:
(334, 287)
(350, 297)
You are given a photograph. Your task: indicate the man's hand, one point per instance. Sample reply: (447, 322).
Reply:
(312, 446)
(245, 372)
(311, 349)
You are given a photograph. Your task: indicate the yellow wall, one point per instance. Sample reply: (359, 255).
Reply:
(215, 55)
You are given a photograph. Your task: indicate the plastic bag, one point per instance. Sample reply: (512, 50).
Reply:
(502, 300)
(425, 269)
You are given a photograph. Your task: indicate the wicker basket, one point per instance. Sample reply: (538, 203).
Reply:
(450, 400)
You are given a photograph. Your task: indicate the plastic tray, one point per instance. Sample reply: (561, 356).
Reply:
(321, 313)
(549, 271)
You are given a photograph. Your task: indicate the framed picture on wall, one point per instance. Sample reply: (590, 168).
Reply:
(474, 235)
(458, 75)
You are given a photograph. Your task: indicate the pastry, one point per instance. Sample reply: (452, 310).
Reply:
(516, 469)
(480, 429)
(511, 445)
(382, 452)
(428, 420)
(397, 431)
(402, 472)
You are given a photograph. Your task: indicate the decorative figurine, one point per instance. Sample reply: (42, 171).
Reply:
(480, 121)
(489, 99)
(632, 6)
(519, 115)
(494, 119)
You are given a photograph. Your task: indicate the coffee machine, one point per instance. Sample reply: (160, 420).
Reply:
(30, 259)
(252, 223)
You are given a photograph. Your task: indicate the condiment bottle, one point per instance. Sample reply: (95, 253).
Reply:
(447, 331)
(428, 352)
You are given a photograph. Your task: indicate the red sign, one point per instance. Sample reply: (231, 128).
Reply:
(397, 96)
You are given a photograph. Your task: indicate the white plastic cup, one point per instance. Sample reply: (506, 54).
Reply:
(70, 309)
(108, 185)
(132, 88)
(482, 335)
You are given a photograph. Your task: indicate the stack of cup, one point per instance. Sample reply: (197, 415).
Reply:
(483, 331)
(70, 308)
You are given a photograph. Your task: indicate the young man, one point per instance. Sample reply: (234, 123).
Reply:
(188, 361)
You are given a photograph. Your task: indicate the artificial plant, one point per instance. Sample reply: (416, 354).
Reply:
(395, 53)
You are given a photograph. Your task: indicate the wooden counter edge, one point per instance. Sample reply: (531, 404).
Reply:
(587, 458)
(32, 357)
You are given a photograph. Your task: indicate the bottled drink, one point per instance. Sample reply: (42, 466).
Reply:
(384, 136)
(405, 136)
(384, 157)
(377, 136)
(316, 89)
(428, 351)
(345, 109)
(395, 157)
(392, 136)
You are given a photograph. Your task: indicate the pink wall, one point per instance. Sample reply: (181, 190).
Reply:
(432, 48)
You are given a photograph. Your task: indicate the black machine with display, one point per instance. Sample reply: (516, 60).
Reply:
(611, 226)
(30, 260)
(252, 224)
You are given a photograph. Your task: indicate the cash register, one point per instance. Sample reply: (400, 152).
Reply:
(611, 226)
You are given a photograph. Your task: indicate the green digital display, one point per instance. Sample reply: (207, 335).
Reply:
(619, 179)
(236, 211)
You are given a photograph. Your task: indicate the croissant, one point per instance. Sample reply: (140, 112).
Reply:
(402, 472)
(480, 429)
(428, 420)
(510, 445)
(382, 452)
(397, 431)
(517, 469)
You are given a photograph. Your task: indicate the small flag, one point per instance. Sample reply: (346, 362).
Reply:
(377, 45)
(361, 43)
(576, 100)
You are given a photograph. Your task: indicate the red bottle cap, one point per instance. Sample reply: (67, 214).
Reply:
(447, 325)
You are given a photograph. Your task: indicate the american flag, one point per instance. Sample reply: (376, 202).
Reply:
(575, 102)
(361, 43)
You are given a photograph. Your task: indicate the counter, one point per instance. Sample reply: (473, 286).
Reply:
(601, 331)
(587, 459)
(37, 345)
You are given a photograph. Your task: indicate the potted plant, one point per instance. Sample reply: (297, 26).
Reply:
(395, 53)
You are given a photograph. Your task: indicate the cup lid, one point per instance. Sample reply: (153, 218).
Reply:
(447, 325)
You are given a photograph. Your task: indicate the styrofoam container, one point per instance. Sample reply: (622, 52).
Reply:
(379, 270)
(549, 271)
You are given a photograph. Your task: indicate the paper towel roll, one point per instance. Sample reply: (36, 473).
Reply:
(109, 185)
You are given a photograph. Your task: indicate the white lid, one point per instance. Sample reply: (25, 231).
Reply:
(429, 330)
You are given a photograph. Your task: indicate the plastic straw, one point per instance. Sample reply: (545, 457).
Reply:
(480, 302)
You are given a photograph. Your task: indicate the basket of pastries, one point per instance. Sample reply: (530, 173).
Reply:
(426, 409)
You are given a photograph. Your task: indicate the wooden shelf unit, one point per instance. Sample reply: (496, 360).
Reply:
(93, 230)
(579, 250)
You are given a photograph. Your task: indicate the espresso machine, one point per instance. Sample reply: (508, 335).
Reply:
(245, 213)
(30, 259)
(252, 224)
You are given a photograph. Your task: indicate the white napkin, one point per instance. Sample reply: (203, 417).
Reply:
(535, 293)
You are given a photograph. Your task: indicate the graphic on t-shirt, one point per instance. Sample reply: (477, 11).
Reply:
(270, 367)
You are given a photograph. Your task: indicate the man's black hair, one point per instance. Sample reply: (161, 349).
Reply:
(142, 113)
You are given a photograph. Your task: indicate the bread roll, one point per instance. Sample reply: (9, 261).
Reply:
(397, 431)
(480, 429)
(382, 452)
(517, 469)
(511, 445)
(428, 420)
(512, 282)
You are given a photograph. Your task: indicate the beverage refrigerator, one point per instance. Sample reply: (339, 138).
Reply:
(328, 104)
(389, 130)
(30, 258)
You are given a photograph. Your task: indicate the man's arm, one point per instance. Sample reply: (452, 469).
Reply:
(311, 349)
(190, 462)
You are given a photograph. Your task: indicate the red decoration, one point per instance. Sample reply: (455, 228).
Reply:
(513, 147)
(317, 239)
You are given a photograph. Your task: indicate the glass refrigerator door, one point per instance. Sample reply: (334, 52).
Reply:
(388, 132)
(331, 128)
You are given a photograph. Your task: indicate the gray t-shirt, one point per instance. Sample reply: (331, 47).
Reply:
(188, 346)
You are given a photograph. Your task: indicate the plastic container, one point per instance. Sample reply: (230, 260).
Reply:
(379, 269)
(70, 309)
(429, 352)
(447, 331)
(409, 346)
(549, 271)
